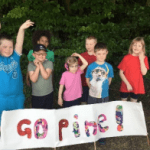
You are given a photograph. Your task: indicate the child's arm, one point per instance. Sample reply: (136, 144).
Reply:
(122, 76)
(45, 73)
(142, 64)
(109, 79)
(20, 36)
(88, 82)
(35, 74)
(60, 100)
(85, 63)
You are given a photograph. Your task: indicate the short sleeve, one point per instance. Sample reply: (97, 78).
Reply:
(87, 75)
(30, 56)
(146, 62)
(48, 64)
(122, 65)
(50, 55)
(30, 67)
(111, 72)
(62, 80)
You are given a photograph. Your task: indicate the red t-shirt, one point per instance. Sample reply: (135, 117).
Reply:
(90, 59)
(131, 66)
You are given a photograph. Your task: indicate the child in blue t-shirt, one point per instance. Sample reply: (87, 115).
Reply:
(11, 83)
(98, 77)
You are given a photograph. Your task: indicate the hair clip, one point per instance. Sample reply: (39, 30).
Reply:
(66, 66)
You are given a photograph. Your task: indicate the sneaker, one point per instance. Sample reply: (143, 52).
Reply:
(102, 141)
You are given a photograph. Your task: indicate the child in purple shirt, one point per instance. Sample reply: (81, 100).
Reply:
(71, 79)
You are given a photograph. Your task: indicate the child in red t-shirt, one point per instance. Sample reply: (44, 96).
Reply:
(90, 57)
(132, 68)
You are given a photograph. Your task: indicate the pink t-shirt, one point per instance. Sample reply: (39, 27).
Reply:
(72, 82)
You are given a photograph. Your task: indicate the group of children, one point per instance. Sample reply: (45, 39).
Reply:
(86, 79)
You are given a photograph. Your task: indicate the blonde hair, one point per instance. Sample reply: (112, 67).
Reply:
(137, 39)
(91, 38)
(71, 60)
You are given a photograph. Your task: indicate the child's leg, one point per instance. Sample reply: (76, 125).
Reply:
(85, 95)
(134, 97)
(124, 96)
(91, 100)
(133, 100)
(48, 101)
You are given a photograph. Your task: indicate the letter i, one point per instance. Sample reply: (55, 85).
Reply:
(76, 127)
(119, 117)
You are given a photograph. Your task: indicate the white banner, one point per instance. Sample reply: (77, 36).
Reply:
(35, 128)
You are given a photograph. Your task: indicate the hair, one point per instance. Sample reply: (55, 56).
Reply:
(38, 34)
(91, 38)
(137, 39)
(71, 60)
(5, 37)
(100, 46)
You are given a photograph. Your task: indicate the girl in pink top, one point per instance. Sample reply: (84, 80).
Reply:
(132, 68)
(71, 79)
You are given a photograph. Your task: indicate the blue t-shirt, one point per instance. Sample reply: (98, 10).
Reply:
(99, 75)
(11, 82)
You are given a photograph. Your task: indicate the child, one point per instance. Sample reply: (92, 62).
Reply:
(132, 68)
(40, 37)
(98, 77)
(72, 81)
(40, 71)
(90, 57)
(11, 93)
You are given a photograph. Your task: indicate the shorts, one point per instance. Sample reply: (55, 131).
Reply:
(93, 100)
(43, 102)
(85, 94)
(132, 95)
(12, 102)
(71, 103)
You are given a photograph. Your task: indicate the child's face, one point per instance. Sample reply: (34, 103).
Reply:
(40, 55)
(101, 55)
(137, 48)
(89, 45)
(44, 41)
(6, 48)
(73, 67)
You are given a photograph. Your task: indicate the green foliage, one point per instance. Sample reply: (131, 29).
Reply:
(115, 22)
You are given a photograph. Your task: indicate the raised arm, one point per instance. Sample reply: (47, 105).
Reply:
(84, 62)
(142, 64)
(45, 72)
(35, 74)
(20, 36)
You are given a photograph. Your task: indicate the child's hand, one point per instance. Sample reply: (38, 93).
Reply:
(75, 54)
(60, 101)
(141, 55)
(129, 87)
(36, 63)
(26, 24)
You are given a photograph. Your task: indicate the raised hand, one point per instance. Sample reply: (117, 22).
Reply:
(26, 24)
(141, 55)
(37, 63)
(76, 55)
